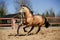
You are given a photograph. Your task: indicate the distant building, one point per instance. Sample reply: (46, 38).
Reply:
(16, 22)
(16, 15)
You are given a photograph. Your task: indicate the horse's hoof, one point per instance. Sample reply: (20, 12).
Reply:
(17, 35)
(36, 33)
(26, 34)
(25, 31)
(29, 34)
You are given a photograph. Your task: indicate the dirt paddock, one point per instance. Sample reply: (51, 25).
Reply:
(51, 33)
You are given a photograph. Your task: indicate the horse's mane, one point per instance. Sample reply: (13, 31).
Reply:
(28, 8)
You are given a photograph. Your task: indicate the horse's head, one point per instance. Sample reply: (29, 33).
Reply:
(24, 9)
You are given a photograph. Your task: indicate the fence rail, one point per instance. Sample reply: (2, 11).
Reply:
(52, 20)
(12, 24)
(5, 25)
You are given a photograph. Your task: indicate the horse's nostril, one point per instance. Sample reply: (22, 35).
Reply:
(20, 12)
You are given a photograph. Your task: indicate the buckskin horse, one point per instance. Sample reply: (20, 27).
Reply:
(32, 20)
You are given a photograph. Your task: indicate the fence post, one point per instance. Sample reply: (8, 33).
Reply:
(13, 23)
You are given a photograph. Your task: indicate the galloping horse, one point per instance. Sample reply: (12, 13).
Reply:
(32, 20)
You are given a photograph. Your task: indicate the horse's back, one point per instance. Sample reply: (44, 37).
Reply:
(38, 19)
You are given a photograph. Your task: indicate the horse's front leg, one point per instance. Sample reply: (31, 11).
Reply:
(18, 29)
(31, 29)
(25, 28)
(38, 29)
(28, 33)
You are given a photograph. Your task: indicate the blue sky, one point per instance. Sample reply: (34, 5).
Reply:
(43, 5)
(39, 6)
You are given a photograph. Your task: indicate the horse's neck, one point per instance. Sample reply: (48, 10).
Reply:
(28, 14)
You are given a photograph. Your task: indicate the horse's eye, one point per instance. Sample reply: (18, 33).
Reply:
(22, 8)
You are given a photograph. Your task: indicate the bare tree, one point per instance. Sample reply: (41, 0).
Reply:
(22, 2)
(52, 14)
(58, 14)
(2, 8)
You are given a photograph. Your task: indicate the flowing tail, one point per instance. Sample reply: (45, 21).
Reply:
(46, 23)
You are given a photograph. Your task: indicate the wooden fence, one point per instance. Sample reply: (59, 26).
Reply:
(11, 24)
(52, 20)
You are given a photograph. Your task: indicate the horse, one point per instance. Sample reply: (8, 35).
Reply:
(32, 20)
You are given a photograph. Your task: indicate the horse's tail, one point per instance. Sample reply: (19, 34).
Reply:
(46, 23)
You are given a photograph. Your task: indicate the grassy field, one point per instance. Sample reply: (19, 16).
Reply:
(51, 33)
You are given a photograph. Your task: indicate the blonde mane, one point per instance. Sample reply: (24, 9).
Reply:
(28, 8)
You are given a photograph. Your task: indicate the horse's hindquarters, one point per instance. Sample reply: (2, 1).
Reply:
(38, 20)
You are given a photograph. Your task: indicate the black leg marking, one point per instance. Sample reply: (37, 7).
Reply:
(31, 29)
(25, 27)
(38, 30)
(18, 28)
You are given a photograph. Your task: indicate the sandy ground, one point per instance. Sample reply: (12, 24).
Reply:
(51, 33)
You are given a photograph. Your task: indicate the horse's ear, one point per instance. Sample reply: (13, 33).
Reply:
(31, 12)
(23, 5)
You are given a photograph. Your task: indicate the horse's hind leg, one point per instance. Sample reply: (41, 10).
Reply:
(18, 29)
(31, 29)
(24, 28)
(38, 30)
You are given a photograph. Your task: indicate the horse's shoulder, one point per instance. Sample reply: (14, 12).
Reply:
(37, 16)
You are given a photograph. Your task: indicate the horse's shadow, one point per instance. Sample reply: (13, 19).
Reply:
(21, 34)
